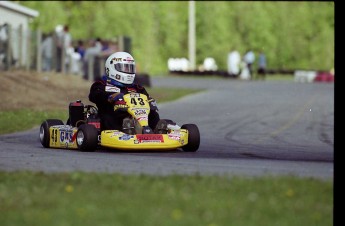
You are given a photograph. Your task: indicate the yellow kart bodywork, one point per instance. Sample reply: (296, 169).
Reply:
(122, 141)
(63, 137)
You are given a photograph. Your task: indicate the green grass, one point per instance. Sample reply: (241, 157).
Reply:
(169, 94)
(113, 199)
(21, 120)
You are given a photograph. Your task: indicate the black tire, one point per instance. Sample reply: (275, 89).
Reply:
(193, 138)
(44, 130)
(87, 138)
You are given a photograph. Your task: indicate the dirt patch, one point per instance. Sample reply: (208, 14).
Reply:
(41, 91)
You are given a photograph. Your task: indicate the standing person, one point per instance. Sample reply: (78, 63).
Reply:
(249, 59)
(94, 49)
(80, 48)
(47, 52)
(262, 64)
(107, 93)
(234, 63)
(68, 48)
(64, 43)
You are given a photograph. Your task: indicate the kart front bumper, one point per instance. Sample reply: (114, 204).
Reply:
(119, 140)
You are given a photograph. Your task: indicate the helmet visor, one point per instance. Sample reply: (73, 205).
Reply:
(126, 68)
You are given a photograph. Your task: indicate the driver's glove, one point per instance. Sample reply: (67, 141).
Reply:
(120, 105)
(115, 97)
(153, 104)
(117, 100)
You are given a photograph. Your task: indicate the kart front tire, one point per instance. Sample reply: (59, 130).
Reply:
(87, 138)
(44, 130)
(193, 138)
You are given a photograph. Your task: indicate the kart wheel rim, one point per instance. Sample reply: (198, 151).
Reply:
(80, 138)
(41, 133)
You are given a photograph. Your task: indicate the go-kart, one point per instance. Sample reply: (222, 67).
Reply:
(83, 130)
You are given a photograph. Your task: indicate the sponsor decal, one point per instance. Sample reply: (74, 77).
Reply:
(133, 95)
(130, 77)
(150, 138)
(116, 134)
(141, 118)
(66, 136)
(174, 136)
(118, 77)
(62, 127)
(74, 137)
(128, 59)
(112, 89)
(126, 137)
(117, 59)
(139, 112)
(132, 90)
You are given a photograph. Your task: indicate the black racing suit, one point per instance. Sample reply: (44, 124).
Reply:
(110, 119)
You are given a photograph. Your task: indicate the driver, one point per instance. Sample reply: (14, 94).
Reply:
(108, 91)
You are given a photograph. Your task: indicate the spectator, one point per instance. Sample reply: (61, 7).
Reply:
(64, 43)
(262, 64)
(47, 52)
(234, 63)
(249, 59)
(94, 49)
(109, 48)
(75, 61)
(244, 74)
(80, 48)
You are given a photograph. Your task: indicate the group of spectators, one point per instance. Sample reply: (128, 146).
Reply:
(244, 67)
(73, 56)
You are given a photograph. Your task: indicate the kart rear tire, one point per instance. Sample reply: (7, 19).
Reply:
(87, 138)
(193, 138)
(44, 130)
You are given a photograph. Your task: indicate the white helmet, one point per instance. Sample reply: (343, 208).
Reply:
(120, 66)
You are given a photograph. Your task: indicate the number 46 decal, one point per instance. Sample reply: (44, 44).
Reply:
(54, 135)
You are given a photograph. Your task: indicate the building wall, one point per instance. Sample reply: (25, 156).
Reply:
(20, 33)
(13, 18)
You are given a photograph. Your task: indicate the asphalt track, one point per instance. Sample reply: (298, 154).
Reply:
(248, 128)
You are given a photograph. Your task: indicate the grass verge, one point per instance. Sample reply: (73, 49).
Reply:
(112, 199)
(21, 120)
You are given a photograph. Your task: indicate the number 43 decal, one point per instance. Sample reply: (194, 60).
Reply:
(136, 101)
